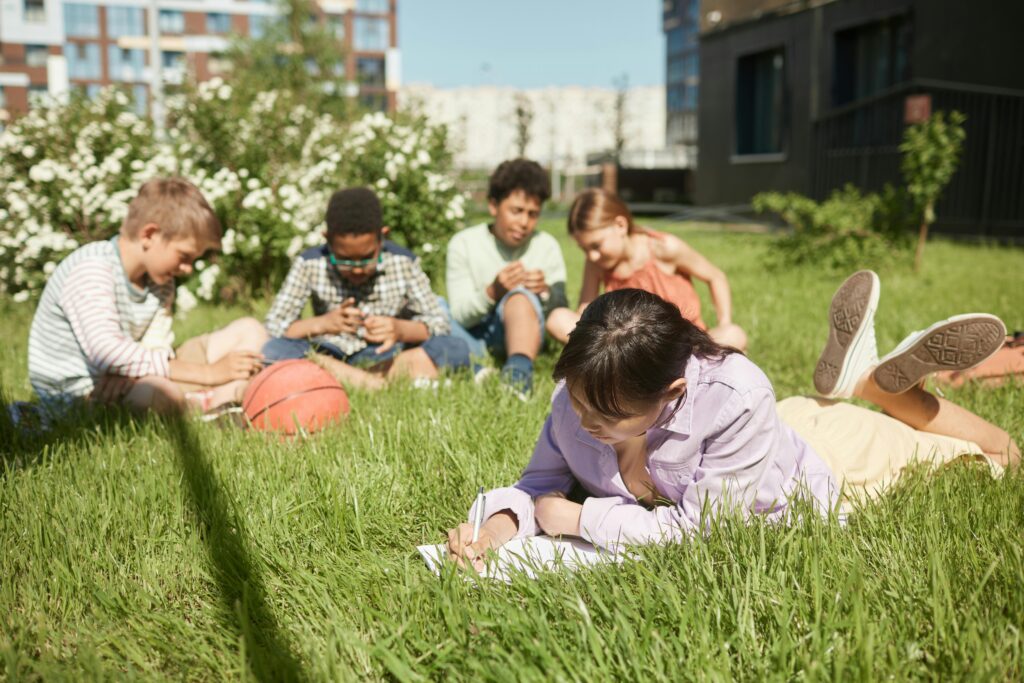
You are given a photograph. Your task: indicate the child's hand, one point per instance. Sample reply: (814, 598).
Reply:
(381, 329)
(463, 551)
(110, 389)
(533, 280)
(507, 279)
(345, 319)
(235, 365)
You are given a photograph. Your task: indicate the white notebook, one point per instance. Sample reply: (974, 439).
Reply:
(529, 556)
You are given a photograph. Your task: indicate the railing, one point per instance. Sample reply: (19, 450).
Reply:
(859, 144)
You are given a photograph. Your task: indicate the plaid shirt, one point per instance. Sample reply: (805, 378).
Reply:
(398, 289)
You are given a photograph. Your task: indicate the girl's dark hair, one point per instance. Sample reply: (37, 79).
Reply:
(626, 350)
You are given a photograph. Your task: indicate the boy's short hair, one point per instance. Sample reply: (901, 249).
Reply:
(354, 211)
(519, 174)
(177, 207)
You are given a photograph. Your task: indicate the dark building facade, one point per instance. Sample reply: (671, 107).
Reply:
(681, 24)
(811, 95)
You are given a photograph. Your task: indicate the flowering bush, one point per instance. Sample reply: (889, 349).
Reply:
(267, 166)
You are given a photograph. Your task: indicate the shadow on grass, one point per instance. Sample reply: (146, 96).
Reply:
(26, 445)
(267, 651)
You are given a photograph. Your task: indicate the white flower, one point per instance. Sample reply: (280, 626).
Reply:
(427, 247)
(21, 297)
(41, 173)
(252, 183)
(382, 184)
(224, 92)
(185, 301)
(207, 280)
(28, 151)
(294, 247)
(199, 265)
(227, 242)
(49, 267)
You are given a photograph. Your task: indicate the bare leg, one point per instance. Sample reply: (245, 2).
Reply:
(561, 322)
(414, 363)
(729, 335)
(158, 394)
(522, 328)
(929, 413)
(349, 375)
(244, 334)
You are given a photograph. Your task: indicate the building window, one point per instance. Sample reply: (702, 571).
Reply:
(3, 98)
(125, 65)
(374, 6)
(870, 58)
(218, 22)
(140, 98)
(172, 60)
(370, 71)
(171, 21)
(258, 25)
(373, 101)
(124, 21)
(336, 25)
(34, 11)
(81, 21)
(372, 34)
(35, 55)
(760, 89)
(681, 38)
(83, 61)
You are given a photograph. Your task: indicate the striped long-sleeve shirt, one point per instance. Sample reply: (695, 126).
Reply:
(89, 323)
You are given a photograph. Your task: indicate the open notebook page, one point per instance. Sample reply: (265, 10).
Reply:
(529, 556)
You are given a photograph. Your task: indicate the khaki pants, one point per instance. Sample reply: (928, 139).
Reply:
(867, 450)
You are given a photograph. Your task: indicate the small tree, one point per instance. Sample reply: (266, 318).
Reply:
(523, 114)
(931, 152)
(619, 116)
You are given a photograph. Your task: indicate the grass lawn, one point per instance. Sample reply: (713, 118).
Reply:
(150, 549)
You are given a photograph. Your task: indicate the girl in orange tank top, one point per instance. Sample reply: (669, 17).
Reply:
(620, 254)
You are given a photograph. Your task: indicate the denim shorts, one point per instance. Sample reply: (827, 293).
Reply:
(446, 351)
(489, 333)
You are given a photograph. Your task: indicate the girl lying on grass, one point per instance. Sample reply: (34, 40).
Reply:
(657, 422)
(621, 255)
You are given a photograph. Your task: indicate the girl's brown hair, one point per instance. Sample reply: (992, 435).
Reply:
(597, 208)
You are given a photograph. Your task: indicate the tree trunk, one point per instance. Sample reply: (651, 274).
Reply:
(922, 237)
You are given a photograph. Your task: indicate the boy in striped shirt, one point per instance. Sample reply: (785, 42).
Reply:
(102, 330)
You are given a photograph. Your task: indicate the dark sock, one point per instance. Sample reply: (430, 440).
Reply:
(518, 373)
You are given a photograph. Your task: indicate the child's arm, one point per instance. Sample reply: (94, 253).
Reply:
(689, 261)
(289, 302)
(591, 286)
(91, 309)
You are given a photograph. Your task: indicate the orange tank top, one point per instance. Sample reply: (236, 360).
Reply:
(676, 288)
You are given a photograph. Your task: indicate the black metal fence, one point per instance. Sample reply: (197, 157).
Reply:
(859, 144)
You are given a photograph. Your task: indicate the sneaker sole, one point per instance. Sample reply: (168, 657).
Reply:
(955, 344)
(852, 307)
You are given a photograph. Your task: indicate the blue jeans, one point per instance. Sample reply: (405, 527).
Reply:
(489, 333)
(444, 351)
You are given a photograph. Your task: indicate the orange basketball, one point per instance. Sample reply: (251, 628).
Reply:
(293, 395)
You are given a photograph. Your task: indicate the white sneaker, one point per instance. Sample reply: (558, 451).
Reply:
(483, 373)
(957, 343)
(850, 351)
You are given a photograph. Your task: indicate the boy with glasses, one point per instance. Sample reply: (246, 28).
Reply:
(372, 303)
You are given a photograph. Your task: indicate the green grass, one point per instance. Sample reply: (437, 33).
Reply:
(161, 550)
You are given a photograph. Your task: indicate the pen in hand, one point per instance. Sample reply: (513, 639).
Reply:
(478, 518)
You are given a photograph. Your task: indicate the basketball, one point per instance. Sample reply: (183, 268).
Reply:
(294, 395)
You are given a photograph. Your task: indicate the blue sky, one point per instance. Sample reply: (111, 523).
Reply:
(531, 43)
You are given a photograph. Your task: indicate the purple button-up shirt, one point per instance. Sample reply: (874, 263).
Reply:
(725, 447)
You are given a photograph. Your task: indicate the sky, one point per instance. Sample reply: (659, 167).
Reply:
(531, 43)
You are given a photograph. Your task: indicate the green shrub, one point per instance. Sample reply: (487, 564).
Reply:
(852, 229)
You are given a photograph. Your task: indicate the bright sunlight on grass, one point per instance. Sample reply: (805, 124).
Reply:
(139, 548)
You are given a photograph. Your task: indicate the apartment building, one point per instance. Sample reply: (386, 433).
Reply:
(51, 46)
(681, 25)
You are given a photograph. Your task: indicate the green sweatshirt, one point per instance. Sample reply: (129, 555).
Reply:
(474, 258)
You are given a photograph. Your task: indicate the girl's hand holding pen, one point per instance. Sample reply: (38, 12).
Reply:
(463, 550)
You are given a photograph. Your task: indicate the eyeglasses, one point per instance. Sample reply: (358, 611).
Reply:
(350, 264)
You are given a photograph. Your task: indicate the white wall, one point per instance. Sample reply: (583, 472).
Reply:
(568, 122)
